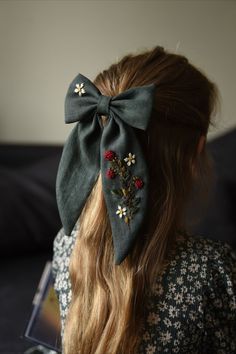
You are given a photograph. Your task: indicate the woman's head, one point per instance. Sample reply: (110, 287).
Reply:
(185, 104)
(108, 301)
(185, 97)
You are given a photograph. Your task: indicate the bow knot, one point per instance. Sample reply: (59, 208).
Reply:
(103, 105)
(114, 150)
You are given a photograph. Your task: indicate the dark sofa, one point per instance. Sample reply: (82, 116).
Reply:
(29, 221)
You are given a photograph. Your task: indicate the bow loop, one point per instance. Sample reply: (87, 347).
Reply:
(134, 106)
(81, 99)
(114, 150)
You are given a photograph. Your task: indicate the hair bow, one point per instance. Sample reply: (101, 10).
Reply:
(114, 149)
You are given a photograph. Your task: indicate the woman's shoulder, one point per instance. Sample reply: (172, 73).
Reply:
(201, 261)
(207, 248)
(214, 261)
(196, 292)
(219, 293)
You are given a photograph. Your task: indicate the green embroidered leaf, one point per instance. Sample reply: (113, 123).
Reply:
(117, 192)
(136, 201)
(126, 176)
(132, 192)
(126, 219)
(133, 211)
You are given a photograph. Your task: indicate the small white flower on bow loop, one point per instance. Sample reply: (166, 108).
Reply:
(121, 211)
(79, 89)
(130, 159)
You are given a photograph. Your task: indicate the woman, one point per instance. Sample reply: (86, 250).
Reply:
(174, 292)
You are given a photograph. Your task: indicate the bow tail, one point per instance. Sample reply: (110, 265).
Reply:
(125, 184)
(78, 171)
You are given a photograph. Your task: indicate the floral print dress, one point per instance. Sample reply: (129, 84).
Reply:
(192, 306)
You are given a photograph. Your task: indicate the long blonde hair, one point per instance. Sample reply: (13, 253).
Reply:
(107, 310)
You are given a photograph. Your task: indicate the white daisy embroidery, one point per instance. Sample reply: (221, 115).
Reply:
(130, 159)
(121, 211)
(79, 89)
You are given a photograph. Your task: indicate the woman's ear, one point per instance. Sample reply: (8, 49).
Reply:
(200, 146)
(201, 143)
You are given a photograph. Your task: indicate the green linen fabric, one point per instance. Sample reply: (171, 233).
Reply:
(91, 148)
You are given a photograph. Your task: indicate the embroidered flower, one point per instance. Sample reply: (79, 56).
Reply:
(121, 211)
(130, 159)
(110, 173)
(138, 182)
(79, 89)
(109, 155)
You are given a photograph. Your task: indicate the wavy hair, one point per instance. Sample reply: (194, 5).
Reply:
(108, 306)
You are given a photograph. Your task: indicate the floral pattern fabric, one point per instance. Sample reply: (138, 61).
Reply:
(191, 307)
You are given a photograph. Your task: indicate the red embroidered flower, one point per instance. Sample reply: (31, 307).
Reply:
(109, 155)
(138, 183)
(110, 173)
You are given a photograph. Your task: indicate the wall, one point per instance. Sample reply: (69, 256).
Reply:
(44, 44)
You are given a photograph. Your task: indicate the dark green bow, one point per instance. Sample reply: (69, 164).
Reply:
(114, 149)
